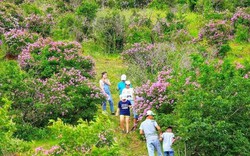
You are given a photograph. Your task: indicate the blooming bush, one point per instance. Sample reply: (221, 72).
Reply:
(67, 94)
(39, 24)
(46, 57)
(206, 104)
(54, 150)
(241, 23)
(153, 95)
(217, 34)
(10, 17)
(150, 57)
(16, 39)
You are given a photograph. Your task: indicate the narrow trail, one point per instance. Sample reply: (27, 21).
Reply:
(129, 144)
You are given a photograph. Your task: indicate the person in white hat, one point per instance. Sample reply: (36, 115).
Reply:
(124, 111)
(129, 92)
(121, 85)
(149, 128)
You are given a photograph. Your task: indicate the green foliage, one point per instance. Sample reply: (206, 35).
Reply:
(31, 9)
(85, 137)
(162, 4)
(11, 78)
(213, 117)
(27, 132)
(110, 32)
(87, 9)
(242, 33)
(8, 145)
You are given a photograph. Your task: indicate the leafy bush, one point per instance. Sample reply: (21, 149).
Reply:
(110, 32)
(16, 39)
(217, 34)
(206, 105)
(166, 28)
(162, 4)
(39, 24)
(8, 144)
(46, 57)
(31, 9)
(139, 29)
(87, 9)
(27, 132)
(85, 137)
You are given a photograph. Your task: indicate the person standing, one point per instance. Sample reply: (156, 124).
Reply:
(168, 139)
(121, 85)
(149, 128)
(124, 111)
(104, 85)
(128, 91)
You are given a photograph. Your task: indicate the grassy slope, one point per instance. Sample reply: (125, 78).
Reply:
(129, 144)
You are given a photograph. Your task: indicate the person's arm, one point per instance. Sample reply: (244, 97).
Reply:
(102, 87)
(118, 109)
(117, 112)
(161, 137)
(158, 129)
(141, 132)
(107, 82)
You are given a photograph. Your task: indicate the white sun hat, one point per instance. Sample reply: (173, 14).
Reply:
(123, 77)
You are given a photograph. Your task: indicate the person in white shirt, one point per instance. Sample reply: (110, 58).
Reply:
(129, 92)
(168, 139)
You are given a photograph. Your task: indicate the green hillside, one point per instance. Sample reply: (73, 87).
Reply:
(188, 61)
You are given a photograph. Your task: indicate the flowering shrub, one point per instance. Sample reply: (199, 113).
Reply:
(218, 34)
(241, 23)
(149, 57)
(39, 24)
(10, 17)
(206, 104)
(85, 137)
(67, 95)
(46, 57)
(153, 95)
(167, 27)
(17, 39)
(54, 150)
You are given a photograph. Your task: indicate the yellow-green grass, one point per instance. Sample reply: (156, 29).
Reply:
(127, 13)
(239, 51)
(195, 23)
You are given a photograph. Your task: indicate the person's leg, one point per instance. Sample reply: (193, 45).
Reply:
(151, 149)
(122, 122)
(157, 146)
(127, 123)
(104, 106)
(165, 153)
(111, 104)
(171, 153)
